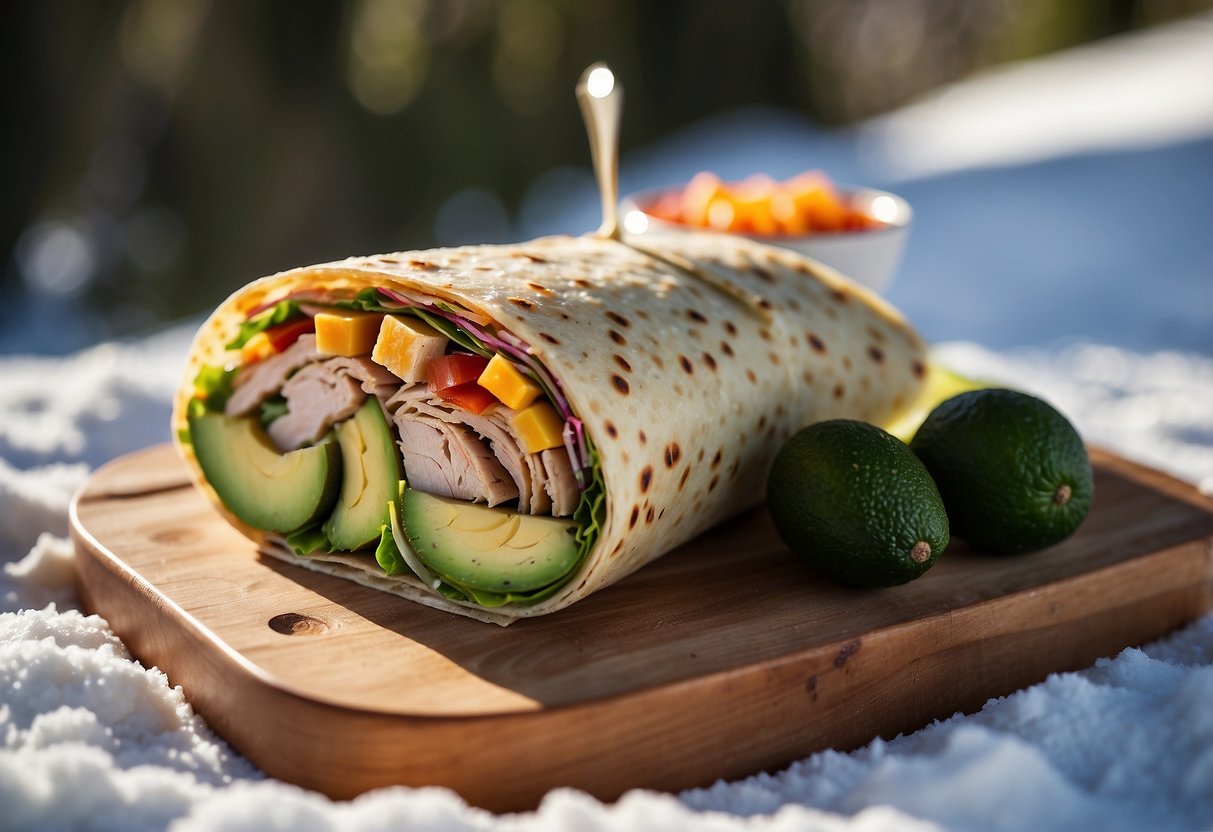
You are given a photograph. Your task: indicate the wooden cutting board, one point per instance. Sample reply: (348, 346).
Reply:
(721, 659)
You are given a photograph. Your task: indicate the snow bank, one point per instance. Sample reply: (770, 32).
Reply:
(90, 739)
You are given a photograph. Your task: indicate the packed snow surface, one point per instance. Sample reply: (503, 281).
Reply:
(91, 739)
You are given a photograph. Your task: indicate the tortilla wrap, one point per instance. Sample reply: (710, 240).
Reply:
(690, 358)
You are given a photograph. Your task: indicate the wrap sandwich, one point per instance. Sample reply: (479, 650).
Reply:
(499, 431)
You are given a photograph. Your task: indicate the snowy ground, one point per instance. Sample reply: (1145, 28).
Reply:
(1077, 252)
(90, 739)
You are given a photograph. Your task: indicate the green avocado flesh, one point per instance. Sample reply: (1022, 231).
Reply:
(488, 549)
(371, 472)
(266, 489)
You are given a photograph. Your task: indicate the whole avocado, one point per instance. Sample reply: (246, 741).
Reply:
(856, 504)
(1012, 470)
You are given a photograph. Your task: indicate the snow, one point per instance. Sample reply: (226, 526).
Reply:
(1108, 320)
(91, 739)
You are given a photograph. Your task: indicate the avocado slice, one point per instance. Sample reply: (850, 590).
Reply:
(371, 473)
(266, 489)
(488, 549)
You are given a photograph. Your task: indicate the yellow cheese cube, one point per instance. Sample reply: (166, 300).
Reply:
(342, 332)
(406, 345)
(506, 382)
(256, 348)
(538, 427)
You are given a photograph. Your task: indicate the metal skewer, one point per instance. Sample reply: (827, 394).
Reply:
(601, 101)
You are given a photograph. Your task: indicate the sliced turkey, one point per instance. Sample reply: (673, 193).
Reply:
(451, 461)
(543, 483)
(324, 393)
(257, 382)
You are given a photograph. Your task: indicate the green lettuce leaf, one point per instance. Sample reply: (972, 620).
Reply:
(308, 541)
(271, 409)
(212, 388)
(279, 313)
(455, 333)
(388, 556)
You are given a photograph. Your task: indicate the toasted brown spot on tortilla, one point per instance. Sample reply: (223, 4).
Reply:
(551, 339)
(876, 354)
(582, 283)
(565, 315)
(643, 437)
(383, 258)
(764, 333)
(686, 364)
(484, 268)
(422, 264)
(617, 337)
(730, 328)
(532, 258)
(876, 334)
(525, 304)
(540, 288)
(673, 453)
(793, 304)
(699, 456)
(807, 375)
(719, 455)
(640, 313)
(622, 362)
(686, 472)
(774, 357)
(919, 369)
(617, 318)
(763, 303)
(696, 317)
(750, 375)
(649, 515)
(709, 360)
(715, 481)
(621, 384)
(646, 479)
(839, 391)
(635, 516)
(816, 343)
(846, 362)
(762, 422)
(658, 361)
(839, 295)
(611, 430)
(763, 274)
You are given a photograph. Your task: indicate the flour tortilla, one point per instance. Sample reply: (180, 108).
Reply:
(690, 359)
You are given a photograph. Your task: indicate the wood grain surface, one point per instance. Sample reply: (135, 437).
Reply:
(723, 658)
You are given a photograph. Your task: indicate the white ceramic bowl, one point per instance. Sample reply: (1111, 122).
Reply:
(869, 256)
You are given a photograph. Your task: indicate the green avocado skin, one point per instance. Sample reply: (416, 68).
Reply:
(367, 444)
(266, 489)
(854, 502)
(1003, 461)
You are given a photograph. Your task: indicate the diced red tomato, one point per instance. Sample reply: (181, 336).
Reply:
(469, 395)
(454, 370)
(283, 335)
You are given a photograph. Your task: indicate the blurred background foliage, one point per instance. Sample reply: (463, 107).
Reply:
(160, 153)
